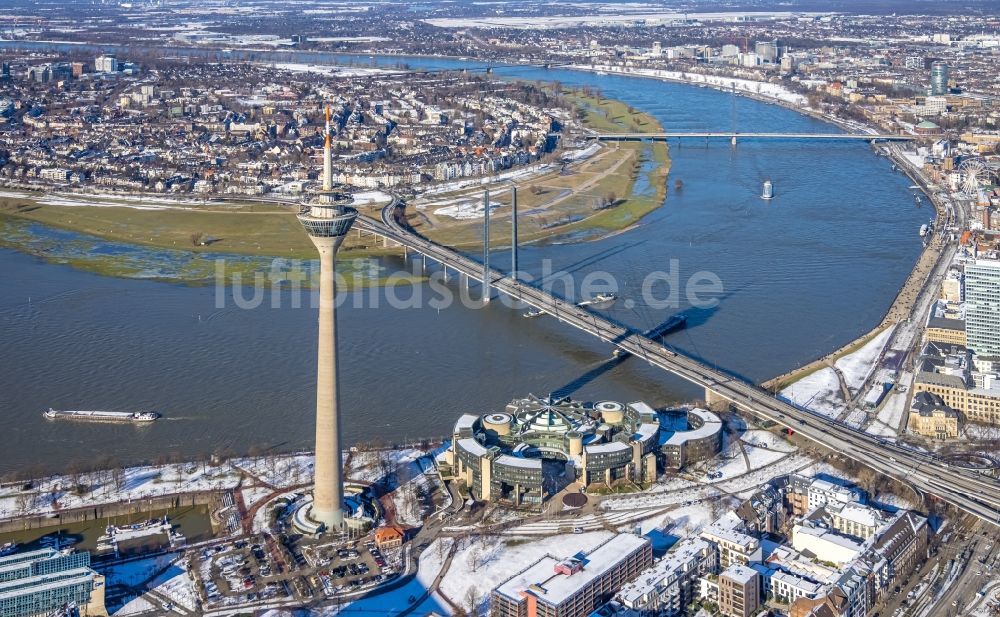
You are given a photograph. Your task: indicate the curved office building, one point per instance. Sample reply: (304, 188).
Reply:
(517, 456)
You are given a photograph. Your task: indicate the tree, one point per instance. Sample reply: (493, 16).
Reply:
(472, 600)
(118, 478)
(473, 559)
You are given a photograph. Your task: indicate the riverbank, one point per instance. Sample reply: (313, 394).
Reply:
(605, 189)
(904, 303)
(159, 237)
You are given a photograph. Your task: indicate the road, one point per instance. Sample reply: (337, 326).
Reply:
(965, 489)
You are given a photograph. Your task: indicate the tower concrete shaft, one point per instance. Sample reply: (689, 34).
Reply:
(328, 494)
(513, 232)
(327, 220)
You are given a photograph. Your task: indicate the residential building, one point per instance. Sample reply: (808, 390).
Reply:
(735, 546)
(804, 494)
(855, 519)
(739, 591)
(667, 588)
(784, 586)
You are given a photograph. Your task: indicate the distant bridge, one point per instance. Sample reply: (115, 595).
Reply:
(733, 136)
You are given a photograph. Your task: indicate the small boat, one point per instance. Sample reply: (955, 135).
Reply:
(768, 190)
(924, 229)
(601, 298)
(531, 313)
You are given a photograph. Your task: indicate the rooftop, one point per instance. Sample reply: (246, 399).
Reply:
(541, 580)
(739, 573)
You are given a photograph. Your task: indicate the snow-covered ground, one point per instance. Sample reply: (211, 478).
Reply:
(819, 392)
(137, 572)
(133, 483)
(760, 88)
(857, 366)
(482, 563)
(742, 485)
(107, 200)
(171, 584)
(268, 474)
(980, 431)
(889, 417)
(465, 210)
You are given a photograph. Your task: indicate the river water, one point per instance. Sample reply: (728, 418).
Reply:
(802, 274)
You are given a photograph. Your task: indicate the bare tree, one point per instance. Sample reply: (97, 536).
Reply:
(472, 600)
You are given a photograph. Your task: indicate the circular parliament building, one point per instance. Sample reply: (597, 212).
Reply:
(536, 447)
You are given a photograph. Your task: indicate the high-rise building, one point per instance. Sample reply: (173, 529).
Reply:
(106, 64)
(939, 79)
(767, 51)
(327, 219)
(982, 307)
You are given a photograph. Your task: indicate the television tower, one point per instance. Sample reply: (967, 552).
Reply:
(327, 218)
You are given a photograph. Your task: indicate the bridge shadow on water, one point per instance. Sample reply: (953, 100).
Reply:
(695, 317)
(593, 259)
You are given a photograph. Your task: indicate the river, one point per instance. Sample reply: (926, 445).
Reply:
(802, 274)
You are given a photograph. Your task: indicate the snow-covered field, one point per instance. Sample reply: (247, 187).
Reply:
(857, 366)
(465, 210)
(819, 392)
(889, 417)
